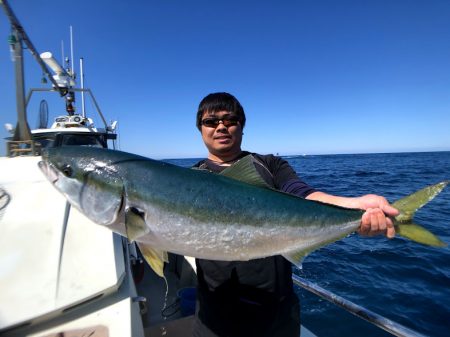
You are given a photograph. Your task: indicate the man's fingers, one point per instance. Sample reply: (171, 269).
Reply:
(374, 221)
(390, 211)
(390, 232)
(365, 224)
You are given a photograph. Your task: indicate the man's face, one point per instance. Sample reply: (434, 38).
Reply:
(223, 141)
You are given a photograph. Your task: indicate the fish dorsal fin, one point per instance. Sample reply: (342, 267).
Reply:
(418, 234)
(411, 203)
(154, 257)
(244, 170)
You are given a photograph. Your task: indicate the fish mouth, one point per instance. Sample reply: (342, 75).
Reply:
(49, 171)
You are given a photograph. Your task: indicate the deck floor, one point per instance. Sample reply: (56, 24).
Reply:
(174, 328)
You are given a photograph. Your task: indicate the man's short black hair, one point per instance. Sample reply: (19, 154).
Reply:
(220, 101)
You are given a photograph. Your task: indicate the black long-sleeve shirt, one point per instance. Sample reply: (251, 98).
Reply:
(256, 297)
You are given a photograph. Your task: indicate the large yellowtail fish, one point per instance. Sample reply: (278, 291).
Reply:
(229, 216)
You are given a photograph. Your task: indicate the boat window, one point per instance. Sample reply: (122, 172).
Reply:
(44, 142)
(81, 140)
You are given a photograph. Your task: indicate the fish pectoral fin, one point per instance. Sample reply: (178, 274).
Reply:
(154, 257)
(418, 234)
(297, 257)
(135, 223)
(411, 203)
(244, 170)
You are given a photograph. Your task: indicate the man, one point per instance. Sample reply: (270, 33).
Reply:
(256, 297)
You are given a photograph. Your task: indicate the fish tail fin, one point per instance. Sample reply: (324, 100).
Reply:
(418, 234)
(411, 203)
(408, 207)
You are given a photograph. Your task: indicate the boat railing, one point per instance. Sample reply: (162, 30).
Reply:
(22, 147)
(384, 323)
(32, 90)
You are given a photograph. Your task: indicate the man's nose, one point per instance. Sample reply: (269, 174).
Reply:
(221, 126)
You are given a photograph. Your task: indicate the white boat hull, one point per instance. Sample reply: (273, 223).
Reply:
(93, 263)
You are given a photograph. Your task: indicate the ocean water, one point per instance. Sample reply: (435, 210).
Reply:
(399, 279)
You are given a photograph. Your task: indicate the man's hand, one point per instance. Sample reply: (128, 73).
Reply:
(376, 220)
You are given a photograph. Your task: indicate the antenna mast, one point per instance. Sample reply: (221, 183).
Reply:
(82, 88)
(72, 69)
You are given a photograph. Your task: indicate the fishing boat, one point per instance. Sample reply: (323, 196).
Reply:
(62, 275)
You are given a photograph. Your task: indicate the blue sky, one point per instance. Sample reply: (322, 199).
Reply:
(314, 77)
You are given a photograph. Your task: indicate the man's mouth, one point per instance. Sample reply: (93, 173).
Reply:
(223, 140)
(221, 137)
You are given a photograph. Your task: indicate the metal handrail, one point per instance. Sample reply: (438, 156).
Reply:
(382, 322)
(32, 90)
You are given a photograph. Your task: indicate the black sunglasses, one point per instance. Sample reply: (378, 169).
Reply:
(227, 120)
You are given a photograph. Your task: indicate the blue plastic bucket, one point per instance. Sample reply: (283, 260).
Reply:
(187, 298)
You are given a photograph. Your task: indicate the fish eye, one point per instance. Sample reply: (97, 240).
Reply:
(67, 170)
